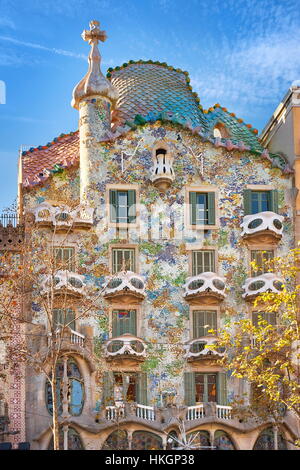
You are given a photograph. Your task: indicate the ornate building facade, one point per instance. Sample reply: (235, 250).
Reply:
(168, 204)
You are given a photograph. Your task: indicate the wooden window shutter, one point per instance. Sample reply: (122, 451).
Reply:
(193, 207)
(189, 388)
(211, 208)
(116, 328)
(113, 205)
(142, 388)
(108, 388)
(247, 202)
(132, 322)
(274, 201)
(131, 206)
(222, 388)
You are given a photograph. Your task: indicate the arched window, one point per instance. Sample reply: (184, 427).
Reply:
(199, 440)
(144, 440)
(222, 441)
(172, 442)
(265, 441)
(221, 131)
(74, 389)
(117, 440)
(74, 441)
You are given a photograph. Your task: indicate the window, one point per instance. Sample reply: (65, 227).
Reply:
(265, 440)
(122, 206)
(270, 317)
(123, 260)
(117, 440)
(205, 387)
(261, 259)
(203, 261)
(221, 131)
(203, 321)
(260, 201)
(64, 258)
(75, 391)
(145, 440)
(202, 208)
(124, 386)
(222, 441)
(64, 317)
(123, 321)
(74, 442)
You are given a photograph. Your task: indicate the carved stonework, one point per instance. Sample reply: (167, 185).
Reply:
(206, 288)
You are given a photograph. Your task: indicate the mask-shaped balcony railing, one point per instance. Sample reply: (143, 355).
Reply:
(163, 173)
(125, 287)
(263, 227)
(206, 288)
(64, 282)
(267, 282)
(63, 217)
(126, 346)
(197, 349)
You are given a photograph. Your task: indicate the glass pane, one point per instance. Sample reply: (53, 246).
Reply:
(122, 206)
(203, 261)
(260, 201)
(261, 258)
(76, 397)
(117, 440)
(222, 441)
(202, 209)
(203, 321)
(212, 387)
(144, 440)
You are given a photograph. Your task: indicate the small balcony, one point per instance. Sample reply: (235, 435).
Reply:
(125, 287)
(267, 282)
(62, 218)
(204, 410)
(207, 288)
(69, 337)
(64, 282)
(126, 410)
(198, 350)
(163, 173)
(263, 227)
(125, 348)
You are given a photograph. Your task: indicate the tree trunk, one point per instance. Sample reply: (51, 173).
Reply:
(55, 425)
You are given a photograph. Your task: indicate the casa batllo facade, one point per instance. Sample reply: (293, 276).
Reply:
(168, 204)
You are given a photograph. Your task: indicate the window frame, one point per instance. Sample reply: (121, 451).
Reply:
(203, 307)
(67, 247)
(115, 335)
(193, 256)
(135, 307)
(124, 246)
(259, 247)
(207, 334)
(201, 189)
(263, 251)
(260, 188)
(123, 187)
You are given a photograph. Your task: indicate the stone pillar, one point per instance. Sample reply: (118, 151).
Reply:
(129, 433)
(65, 431)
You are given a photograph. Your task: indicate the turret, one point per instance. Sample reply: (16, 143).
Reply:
(94, 97)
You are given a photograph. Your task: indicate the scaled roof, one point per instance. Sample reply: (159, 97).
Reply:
(149, 91)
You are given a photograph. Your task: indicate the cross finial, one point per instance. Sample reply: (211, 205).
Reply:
(94, 35)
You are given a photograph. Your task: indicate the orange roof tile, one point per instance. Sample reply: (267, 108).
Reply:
(39, 162)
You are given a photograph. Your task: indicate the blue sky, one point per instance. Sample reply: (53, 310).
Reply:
(243, 54)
